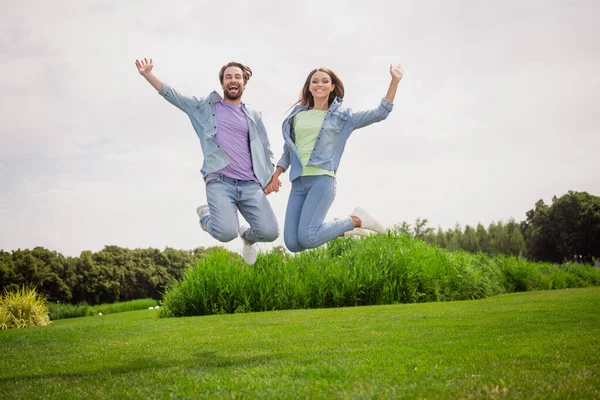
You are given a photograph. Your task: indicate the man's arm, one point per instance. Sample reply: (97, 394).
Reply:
(283, 164)
(184, 103)
(145, 69)
(274, 184)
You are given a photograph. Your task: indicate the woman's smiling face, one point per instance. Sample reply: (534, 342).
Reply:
(320, 85)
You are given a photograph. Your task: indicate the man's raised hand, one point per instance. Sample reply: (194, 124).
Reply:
(144, 66)
(145, 69)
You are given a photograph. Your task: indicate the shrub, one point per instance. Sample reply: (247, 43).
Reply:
(63, 311)
(132, 305)
(381, 269)
(22, 308)
(347, 272)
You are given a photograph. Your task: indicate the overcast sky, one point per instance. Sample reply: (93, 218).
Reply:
(499, 107)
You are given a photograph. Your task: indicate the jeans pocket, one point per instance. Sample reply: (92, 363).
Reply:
(210, 179)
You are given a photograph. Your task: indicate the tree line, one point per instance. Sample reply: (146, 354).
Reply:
(568, 229)
(110, 275)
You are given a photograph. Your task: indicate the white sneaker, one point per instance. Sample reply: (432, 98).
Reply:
(202, 212)
(355, 231)
(358, 232)
(367, 221)
(249, 251)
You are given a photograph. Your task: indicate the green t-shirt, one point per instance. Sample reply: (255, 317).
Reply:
(307, 125)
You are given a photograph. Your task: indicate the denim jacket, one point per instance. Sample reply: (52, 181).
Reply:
(337, 126)
(202, 115)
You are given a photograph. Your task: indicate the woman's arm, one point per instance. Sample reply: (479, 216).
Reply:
(274, 184)
(361, 119)
(396, 73)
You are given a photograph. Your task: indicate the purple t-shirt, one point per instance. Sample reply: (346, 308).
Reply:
(233, 137)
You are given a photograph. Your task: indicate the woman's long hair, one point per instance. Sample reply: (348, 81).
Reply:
(306, 97)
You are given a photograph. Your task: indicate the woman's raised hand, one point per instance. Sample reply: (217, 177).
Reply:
(396, 72)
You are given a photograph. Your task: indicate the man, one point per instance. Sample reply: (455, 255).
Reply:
(237, 158)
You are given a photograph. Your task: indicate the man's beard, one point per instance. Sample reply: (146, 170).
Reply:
(233, 96)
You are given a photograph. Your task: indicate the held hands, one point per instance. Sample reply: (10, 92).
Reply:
(396, 72)
(273, 185)
(144, 66)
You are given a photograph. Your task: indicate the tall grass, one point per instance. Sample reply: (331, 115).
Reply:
(383, 269)
(62, 311)
(131, 305)
(348, 272)
(520, 275)
(22, 308)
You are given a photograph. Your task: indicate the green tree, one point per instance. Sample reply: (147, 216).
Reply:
(469, 241)
(539, 233)
(568, 229)
(483, 239)
(403, 228)
(499, 238)
(454, 237)
(440, 238)
(8, 276)
(421, 229)
(516, 241)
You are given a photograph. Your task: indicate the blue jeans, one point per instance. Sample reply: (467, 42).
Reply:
(225, 197)
(309, 201)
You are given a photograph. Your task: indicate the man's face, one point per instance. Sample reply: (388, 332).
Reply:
(233, 83)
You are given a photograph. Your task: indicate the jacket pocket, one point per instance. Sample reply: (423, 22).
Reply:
(337, 120)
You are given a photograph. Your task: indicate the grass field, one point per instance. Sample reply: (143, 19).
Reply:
(542, 344)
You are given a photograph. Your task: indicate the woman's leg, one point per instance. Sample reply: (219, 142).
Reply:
(292, 215)
(312, 231)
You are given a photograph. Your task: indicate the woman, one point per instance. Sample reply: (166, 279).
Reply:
(315, 134)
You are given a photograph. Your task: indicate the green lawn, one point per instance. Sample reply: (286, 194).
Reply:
(542, 344)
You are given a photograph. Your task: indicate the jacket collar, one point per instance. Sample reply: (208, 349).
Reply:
(215, 97)
(334, 105)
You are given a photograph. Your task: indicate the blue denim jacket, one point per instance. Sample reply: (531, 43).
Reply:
(337, 126)
(202, 115)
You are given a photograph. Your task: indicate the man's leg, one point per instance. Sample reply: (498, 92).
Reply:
(222, 222)
(257, 210)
